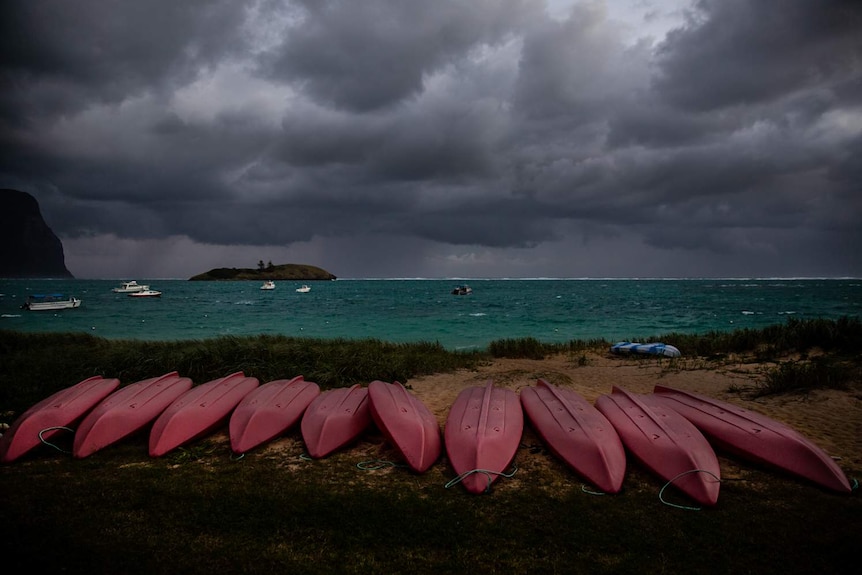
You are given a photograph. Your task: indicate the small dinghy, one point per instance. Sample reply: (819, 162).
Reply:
(126, 411)
(482, 434)
(576, 432)
(406, 423)
(664, 442)
(198, 412)
(755, 437)
(335, 418)
(269, 411)
(62, 409)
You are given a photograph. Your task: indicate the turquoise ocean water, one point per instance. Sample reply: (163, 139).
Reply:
(409, 310)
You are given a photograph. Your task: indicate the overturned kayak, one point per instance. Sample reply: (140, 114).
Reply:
(126, 411)
(335, 418)
(198, 412)
(269, 411)
(661, 349)
(665, 442)
(482, 434)
(576, 432)
(406, 423)
(62, 409)
(756, 437)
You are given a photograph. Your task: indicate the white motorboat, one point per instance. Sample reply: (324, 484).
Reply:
(303, 289)
(129, 287)
(268, 284)
(145, 293)
(54, 301)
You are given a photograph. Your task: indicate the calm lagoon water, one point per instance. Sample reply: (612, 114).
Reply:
(408, 310)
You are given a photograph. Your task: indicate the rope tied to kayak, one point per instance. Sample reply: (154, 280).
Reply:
(687, 508)
(488, 473)
(42, 439)
(590, 491)
(375, 464)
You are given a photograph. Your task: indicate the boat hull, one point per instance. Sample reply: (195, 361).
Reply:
(198, 412)
(269, 411)
(755, 437)
(664, 442)
(482, 434)
(126, 411)
(335, 418)
(407, 423)
(576, 432)
(659, 349)
(62, 409)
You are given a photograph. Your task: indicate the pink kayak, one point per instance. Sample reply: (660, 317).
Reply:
(755, 437)
(198, 412)
(482, 434)
(577, 433)
(269, 411)
(664, 442)
(62, 409)
(406, 423)
(335, 418)
(126, 411)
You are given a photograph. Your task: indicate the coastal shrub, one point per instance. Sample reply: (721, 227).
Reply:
(803, 376)
(525, 348)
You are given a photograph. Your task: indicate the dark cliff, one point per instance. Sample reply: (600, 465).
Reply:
(29, 247)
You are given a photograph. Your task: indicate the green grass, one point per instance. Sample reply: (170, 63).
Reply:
(201, 510)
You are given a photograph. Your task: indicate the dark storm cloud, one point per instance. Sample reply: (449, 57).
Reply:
(366, 55)
(738, 52)
(463, 132)
(60, 56)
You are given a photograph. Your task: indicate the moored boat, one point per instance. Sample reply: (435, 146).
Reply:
(146, 293)
(576, 432)
(407, 424)
(755, 437)
(482, 434)
(335, 418)
(303, 289)
(269, 411)
(126, 411)
(198, 412)
(665, 442)
(62, 409)
(129, 287)
(49, 302)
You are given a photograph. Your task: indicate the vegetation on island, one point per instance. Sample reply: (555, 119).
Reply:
(201, 509)
(292, 272)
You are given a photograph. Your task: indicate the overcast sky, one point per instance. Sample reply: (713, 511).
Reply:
(446, 138)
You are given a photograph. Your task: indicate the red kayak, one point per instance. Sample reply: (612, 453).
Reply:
(126, 411)
(198, 412)
(335, 418)
(406, 423)
(61, 409)
(755, 437)
(664, 442)
(577, 433)
(482, 434)
(269, 411)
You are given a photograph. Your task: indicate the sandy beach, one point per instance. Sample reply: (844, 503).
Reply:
(830, 418)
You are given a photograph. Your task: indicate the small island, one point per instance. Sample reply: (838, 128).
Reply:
(293, 272)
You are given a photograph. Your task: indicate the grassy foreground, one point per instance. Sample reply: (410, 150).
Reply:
(200, 510)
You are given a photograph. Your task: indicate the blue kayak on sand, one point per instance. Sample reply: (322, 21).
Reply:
(664, 349)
